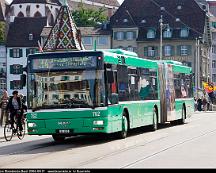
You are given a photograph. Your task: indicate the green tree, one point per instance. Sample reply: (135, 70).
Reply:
(2, 32)
(89, 17)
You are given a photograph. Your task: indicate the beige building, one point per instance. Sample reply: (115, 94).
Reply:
(139, 26)
(91, 37)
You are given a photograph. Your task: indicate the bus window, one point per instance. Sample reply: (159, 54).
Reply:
(111, 77)
(133, 84)
(147, 84)
(122, 78)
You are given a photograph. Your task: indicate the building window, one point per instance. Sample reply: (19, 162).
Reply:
(167, 33)
(151, 33)
(30, 51)
(184, 50)
(103, 40)
(130, 48)
(16, 69)
(151, 51)
(214, 78)
(214, 24)
(87, 40)
(16, 53)
(130, 35)
(30, 37)
(167, 50)
(184, 32)
(65, 78)
(119, 35)
(213, 63)
(15, 84)
(214, 49)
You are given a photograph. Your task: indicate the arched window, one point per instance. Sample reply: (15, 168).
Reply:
(167, 33)
(20, 14)
(37, 14)
(151, 33)
(184, 32)
(12, 11)
(50, 19)
(28, 10)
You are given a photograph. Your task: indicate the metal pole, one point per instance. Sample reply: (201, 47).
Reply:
(196, 69)
(161, 37)
(198, 64)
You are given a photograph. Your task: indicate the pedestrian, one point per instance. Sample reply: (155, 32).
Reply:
(195, 104)
(204, 102)
(3, 105)
(199, 104)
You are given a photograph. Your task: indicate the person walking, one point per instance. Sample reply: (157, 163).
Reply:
(199, 104)
(3, 106)
(204, 102)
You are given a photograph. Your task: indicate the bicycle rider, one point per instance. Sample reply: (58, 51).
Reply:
(15, 107)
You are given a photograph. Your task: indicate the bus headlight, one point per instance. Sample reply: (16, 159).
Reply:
(32, 125)
(99, 122)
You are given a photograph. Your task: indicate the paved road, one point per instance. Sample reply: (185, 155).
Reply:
(184, 146)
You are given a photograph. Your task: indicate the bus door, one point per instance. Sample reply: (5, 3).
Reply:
(169, 92)
(161, 81)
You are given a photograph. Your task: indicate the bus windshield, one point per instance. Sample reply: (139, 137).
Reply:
(67, 89)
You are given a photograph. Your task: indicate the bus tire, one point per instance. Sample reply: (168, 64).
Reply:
(58, 138)
(125, 126)
(155, 121)
(182, 121)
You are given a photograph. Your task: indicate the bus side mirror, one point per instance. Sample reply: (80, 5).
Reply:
(114, 98)
(23, 80)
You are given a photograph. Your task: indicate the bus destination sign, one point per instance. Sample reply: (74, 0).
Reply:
(64, 63)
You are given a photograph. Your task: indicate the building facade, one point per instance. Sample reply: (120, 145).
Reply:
(35, 8)
(20, 43)
(98, 38)
(143, 25)
(2, 46)
(212, 9)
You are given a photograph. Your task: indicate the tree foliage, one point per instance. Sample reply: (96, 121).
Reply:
(84, 17)
(2, 32)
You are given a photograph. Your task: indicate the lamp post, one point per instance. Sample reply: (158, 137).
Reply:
(162, 26)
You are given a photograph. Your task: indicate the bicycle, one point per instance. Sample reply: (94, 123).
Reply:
(10, 131)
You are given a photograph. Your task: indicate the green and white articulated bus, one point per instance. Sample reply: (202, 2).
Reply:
(107, 91)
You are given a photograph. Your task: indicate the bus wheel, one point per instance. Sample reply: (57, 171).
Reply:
(125, 126)
(155, 121)
(182, 121)
(58, 138)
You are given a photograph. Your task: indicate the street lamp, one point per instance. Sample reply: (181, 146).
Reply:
(162, 26)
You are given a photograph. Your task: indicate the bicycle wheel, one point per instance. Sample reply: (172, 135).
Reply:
(8, 132)
(21, 134)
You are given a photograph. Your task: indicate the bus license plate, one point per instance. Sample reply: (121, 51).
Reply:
(64, 131)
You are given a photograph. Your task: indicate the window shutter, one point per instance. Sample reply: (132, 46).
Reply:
(179, 50)
(115, 35)
(21, 69)
(27, 52)
(11, 69)
(20, 53)
(134, 35)
(11, 53)
(172, 50)
(11, 85)
(156, 51)
(145, 51)
(189, 47)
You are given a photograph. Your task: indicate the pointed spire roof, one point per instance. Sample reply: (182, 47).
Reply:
(64, 34)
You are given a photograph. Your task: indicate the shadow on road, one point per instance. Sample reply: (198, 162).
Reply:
(47, 145)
